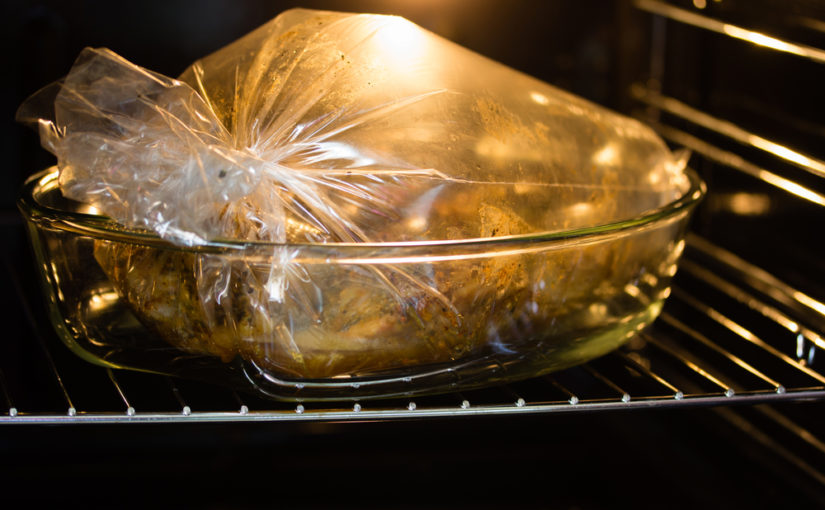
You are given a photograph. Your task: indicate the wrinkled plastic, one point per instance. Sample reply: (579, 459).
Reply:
(324, 127)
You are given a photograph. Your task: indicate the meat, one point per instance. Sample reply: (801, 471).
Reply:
(335, 318)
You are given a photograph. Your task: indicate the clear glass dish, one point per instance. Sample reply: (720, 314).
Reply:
(514, 306)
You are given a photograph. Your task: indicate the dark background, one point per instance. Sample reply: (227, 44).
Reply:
(644, 459)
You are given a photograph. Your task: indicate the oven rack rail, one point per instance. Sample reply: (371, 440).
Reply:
(734, 31)
(704, 350)
(786, 158)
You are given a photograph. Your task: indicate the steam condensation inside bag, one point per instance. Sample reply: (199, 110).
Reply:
(324, 127)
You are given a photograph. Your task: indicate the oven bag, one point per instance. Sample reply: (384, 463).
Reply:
(323, 127)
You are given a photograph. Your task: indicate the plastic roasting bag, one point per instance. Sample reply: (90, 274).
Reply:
(322, 127)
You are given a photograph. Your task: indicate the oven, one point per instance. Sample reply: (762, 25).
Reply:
(718, 404)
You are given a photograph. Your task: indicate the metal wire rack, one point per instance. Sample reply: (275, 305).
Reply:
(755, 344)
(730, 333)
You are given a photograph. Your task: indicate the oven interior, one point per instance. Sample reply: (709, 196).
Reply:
(717, 404)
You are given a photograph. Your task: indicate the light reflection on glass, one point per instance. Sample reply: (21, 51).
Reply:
(650, 279)
(103, 300)
(539, 98)
(417, 223)
(607, 156)
(584, 209)
(632, 290)
(56, 279)
(748, 204)
(491, 147)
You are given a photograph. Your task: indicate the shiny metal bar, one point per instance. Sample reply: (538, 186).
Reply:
(801, 432)
(736, 162)
(752, 302)
(572, 398)
(130, 411)
(403, 413)
(625, 396)
(465, 403)
(811, 23)
(29, 314)
(685, 360)
(658, 47)
(745, 334)
(758, 435)
(636, 365)
(696, 335)
(12, 410)
(731, 30)
(657, 50)
(758, 278)
(242, 408)
(517, 399)
(184, 409)
(723, 127)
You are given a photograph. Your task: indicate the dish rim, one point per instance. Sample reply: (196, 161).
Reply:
(103, 227)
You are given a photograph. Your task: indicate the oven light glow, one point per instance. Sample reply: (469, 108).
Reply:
(101, 301)
(402, 39)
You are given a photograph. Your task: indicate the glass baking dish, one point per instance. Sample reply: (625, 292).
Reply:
(511, 307)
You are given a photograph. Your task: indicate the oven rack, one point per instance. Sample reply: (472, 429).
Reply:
(789, 165)
(667, 10)
(730, 333)
(695, 354)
